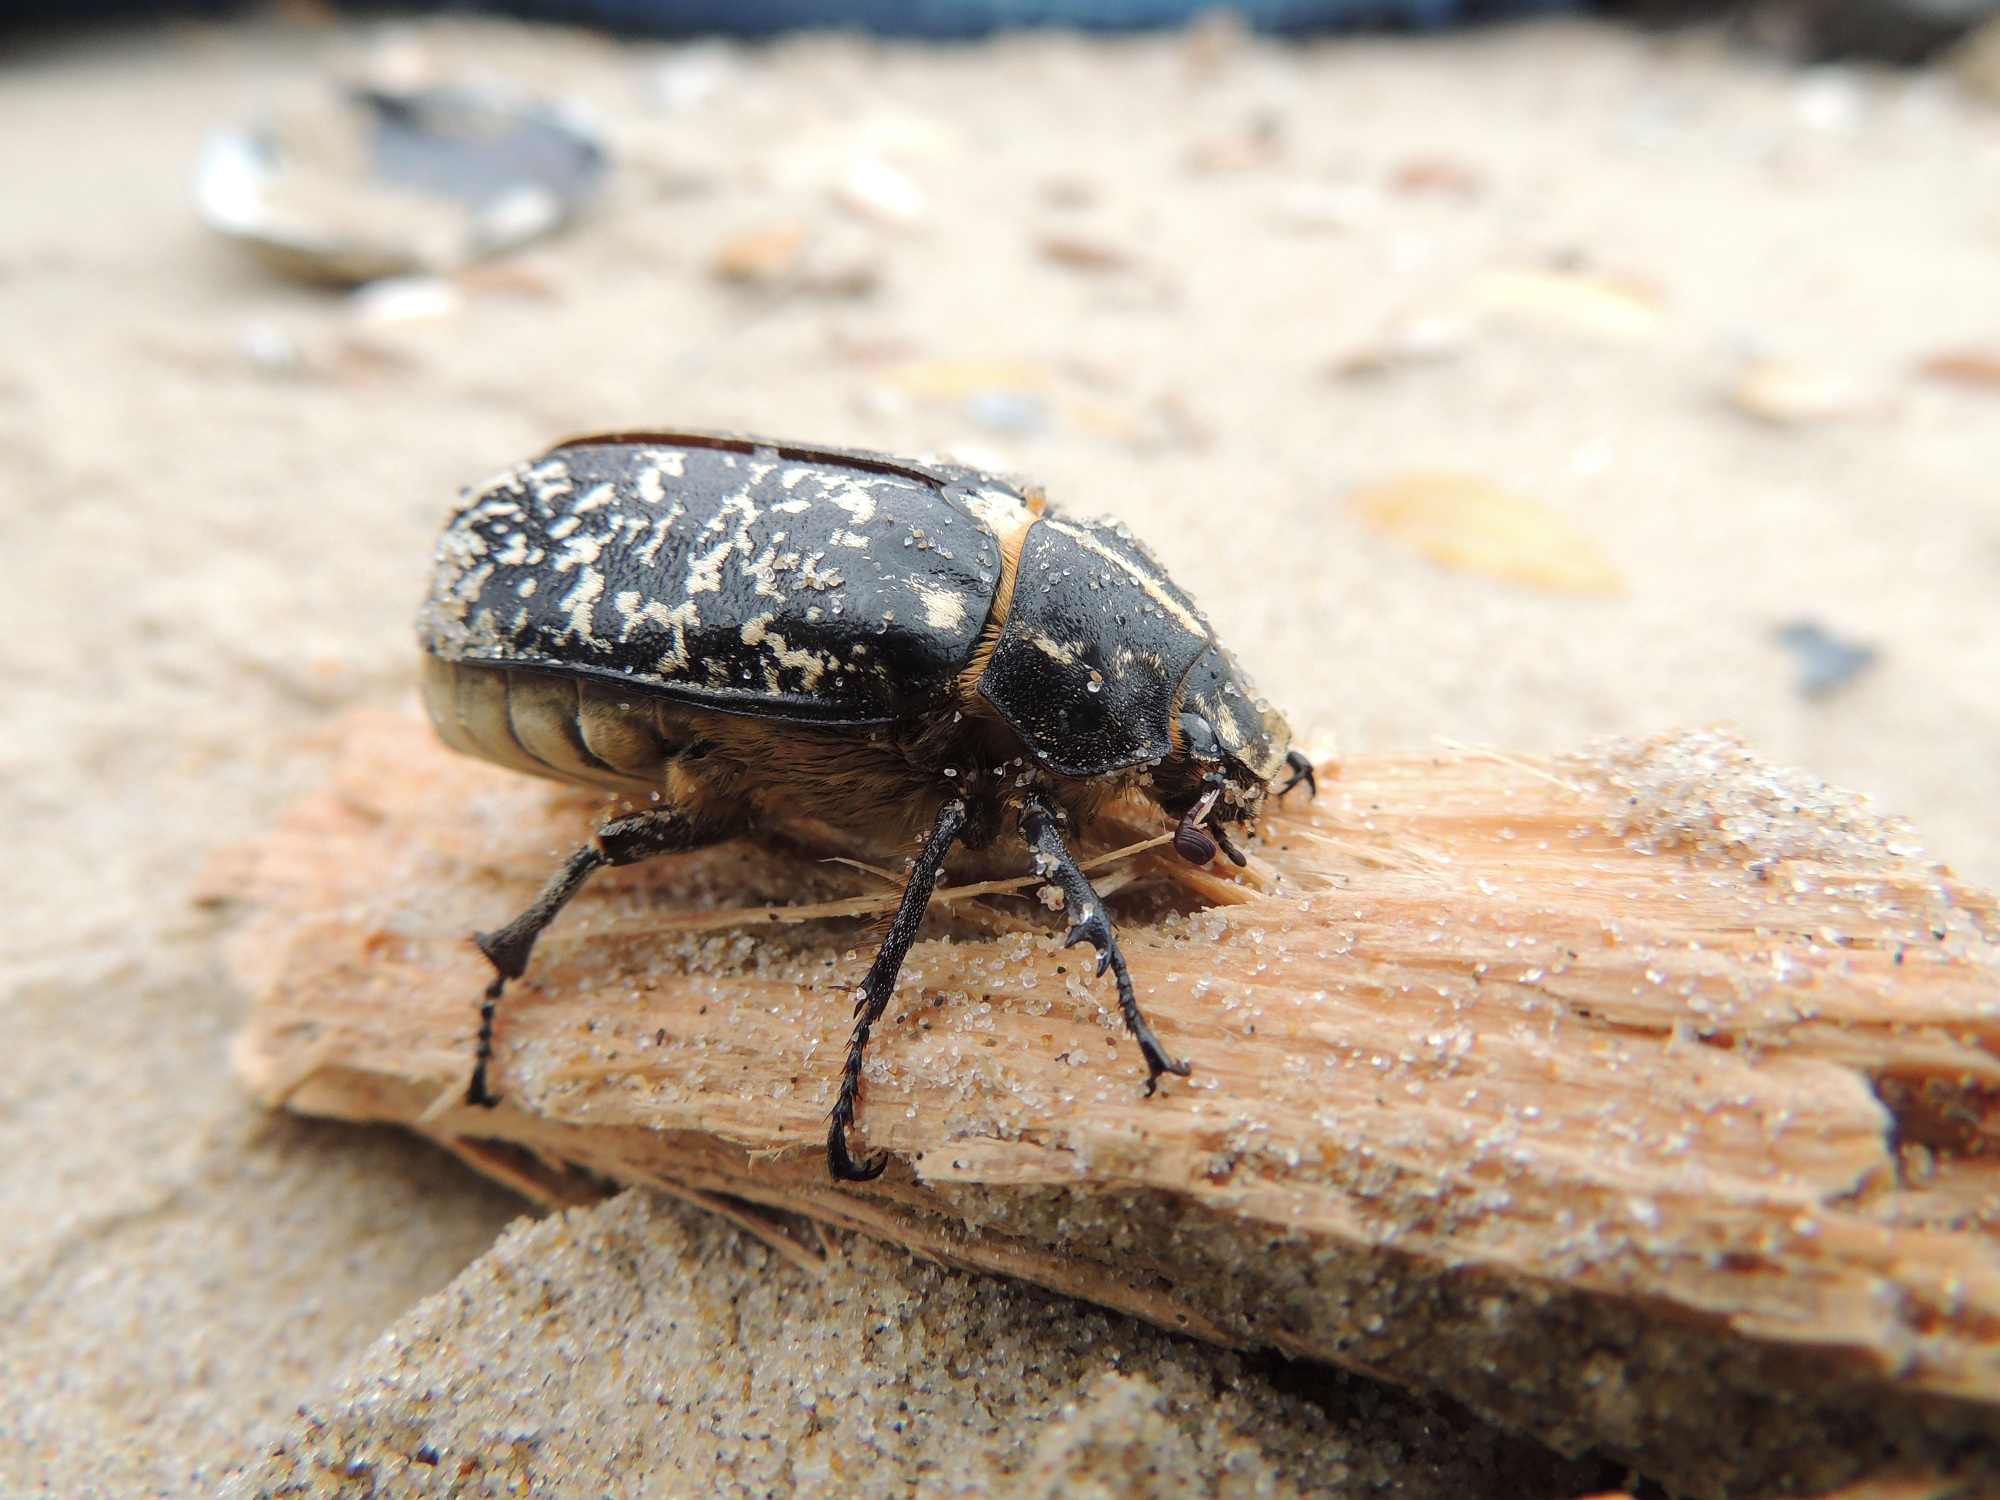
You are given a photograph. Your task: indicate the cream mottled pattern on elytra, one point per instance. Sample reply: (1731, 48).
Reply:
(219, 491)
(701, 571)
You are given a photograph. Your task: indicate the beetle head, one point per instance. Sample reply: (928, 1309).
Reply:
(1239, 770)
(1228, 746)
(1224, 726)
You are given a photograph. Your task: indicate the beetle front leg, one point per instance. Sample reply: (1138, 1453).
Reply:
(623, 841)
(1302, 773)
(881, 980)
(1085, 908)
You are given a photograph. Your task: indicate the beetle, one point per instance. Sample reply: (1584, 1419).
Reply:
(760, 638)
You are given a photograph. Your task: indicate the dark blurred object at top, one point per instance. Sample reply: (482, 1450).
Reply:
(1891, 31)
(934, 19)
(974, 18)
(1896, 31)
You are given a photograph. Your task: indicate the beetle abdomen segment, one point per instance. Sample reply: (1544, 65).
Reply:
(468, 707)
(813, 588)
(1096, 644)
(549, 725)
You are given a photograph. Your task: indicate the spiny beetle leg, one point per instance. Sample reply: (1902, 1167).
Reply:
(623, 841)
(1302, 773)
(478, 1092)
(1090, 924)
(509, 948)
(876, 988)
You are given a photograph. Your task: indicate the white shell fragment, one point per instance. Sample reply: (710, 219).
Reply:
(408, 299)
(1582, 304)
(692, 77)
(380, 182)
(882, 191)
(1789, 395)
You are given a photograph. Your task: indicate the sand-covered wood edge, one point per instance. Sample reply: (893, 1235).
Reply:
(1637, 1098)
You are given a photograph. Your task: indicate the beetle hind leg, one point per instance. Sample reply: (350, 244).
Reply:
(508, 950)
(876, 988)
(1091, 924)
(623, 841)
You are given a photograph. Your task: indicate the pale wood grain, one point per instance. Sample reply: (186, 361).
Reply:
(1557, 1086)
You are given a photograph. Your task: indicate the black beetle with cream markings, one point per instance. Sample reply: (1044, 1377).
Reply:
(762, 638)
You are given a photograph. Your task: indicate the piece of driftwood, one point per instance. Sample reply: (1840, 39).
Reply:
(1638, 1099)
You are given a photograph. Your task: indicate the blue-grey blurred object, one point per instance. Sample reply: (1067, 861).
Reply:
(958, 19)
(1008, 411)
(1824, 662)
(380, 182)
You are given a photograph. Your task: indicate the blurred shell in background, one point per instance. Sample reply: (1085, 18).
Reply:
(390, 182)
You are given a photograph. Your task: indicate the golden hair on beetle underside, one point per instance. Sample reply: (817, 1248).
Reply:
(788, 773)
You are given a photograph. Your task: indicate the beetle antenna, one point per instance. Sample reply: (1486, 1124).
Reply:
(1191, 841)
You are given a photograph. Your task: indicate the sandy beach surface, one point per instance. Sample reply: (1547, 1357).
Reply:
(1707, 347)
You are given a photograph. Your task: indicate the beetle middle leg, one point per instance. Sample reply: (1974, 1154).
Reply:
(1085, 909)
(875, 989)
(623, 841)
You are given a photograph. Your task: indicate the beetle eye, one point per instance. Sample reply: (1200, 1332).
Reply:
(1200, 735)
